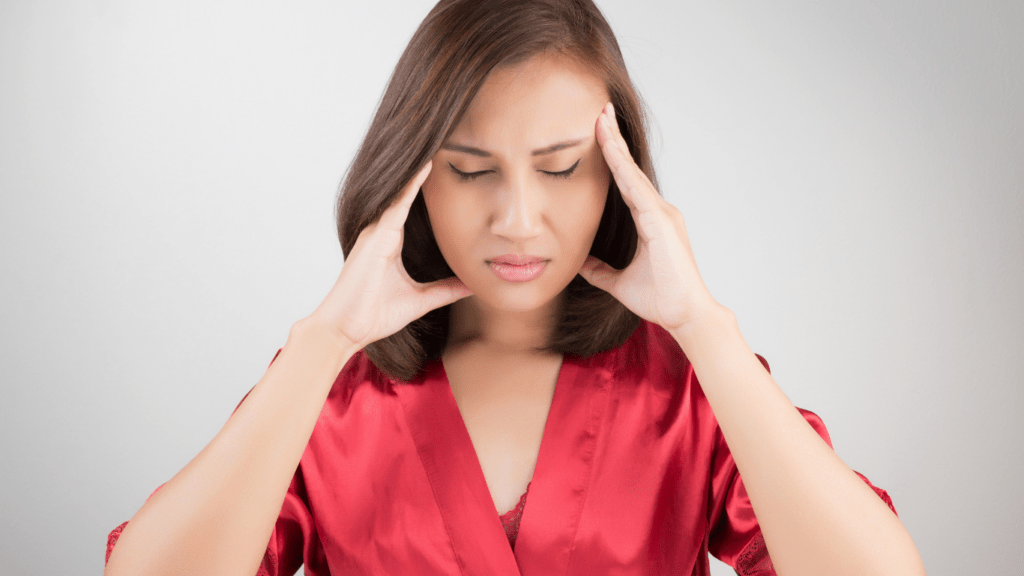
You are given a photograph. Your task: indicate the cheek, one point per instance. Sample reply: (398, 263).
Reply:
(450, 224)
(593, 192)
(593, 197)
(581, 216)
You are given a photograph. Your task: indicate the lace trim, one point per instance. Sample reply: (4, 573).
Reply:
(112, 539)
(754, 560)
(885, 498)
(881, 493)
(510, 520)
(268, 566)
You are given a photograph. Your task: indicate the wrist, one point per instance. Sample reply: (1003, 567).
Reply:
(708, 321)
(319, 336)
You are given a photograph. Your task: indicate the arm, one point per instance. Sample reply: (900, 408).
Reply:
(814, 512)
(816, 515)
(216, 515)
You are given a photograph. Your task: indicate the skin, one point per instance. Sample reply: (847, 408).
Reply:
(517, 206)
(504, 388)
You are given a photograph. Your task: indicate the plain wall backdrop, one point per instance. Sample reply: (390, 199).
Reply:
(852, 177)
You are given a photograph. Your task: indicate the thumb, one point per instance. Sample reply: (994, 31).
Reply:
(599, 274)
(443, 292)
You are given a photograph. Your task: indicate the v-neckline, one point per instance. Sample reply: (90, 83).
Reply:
(444, 375)
(560, 478)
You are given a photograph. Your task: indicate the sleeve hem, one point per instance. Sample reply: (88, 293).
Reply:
(112, 539)
(268, 566)
(753, 560)
(880, 492)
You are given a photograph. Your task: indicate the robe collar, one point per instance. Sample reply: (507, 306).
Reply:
(560, 480)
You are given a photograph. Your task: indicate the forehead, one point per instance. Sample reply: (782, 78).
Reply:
(530, 105)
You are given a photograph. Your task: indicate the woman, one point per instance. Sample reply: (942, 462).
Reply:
(524, 336)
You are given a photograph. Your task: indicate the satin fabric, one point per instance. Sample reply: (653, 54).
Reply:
(633, 477)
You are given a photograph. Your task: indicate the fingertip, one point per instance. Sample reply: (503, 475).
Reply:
(613, 131)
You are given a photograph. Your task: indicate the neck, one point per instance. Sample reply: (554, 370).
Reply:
(475, 323)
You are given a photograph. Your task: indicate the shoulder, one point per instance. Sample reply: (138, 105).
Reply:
(651, 354)
(359, 377)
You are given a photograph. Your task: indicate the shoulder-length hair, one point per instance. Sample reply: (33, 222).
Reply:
(447, 60)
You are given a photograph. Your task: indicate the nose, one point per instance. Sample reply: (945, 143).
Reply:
(520, 211)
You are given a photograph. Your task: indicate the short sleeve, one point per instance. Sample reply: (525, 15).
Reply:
(735, 537)
(293, 541)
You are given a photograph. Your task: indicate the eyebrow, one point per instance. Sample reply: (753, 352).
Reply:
(538, 152)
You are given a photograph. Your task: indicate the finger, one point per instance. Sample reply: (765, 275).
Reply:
(613, 156)
(600, 274)
(443, 292)
(616, 133)
(634, 185)
(396, 214)
(630, 178)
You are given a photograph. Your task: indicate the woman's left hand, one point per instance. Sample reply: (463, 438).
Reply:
(661, 284)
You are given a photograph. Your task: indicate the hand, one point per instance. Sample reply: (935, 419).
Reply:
(661, 284)
(374, 296)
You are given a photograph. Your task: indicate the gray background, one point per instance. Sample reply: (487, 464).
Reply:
(851, 177)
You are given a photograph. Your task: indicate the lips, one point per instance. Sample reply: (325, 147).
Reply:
(517, 259)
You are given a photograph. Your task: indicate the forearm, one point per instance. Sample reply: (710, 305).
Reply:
(816, 515)
(216, 515)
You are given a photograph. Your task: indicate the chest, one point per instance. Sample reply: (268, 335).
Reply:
(504, 403)
(392, 482)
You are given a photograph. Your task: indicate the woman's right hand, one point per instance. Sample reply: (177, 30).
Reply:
(374, 296)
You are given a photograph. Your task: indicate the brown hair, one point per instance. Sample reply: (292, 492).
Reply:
(446, 62)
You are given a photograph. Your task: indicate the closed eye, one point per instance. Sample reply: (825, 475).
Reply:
(565, 173)
(467, 176)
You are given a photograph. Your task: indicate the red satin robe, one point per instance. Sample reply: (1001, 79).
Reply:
(633, 477)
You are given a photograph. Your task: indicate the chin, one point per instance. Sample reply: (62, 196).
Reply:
(511, 298)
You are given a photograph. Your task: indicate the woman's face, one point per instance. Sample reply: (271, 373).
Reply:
(522, 173)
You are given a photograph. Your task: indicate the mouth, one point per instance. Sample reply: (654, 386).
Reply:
(518, 272)
(516, 259)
